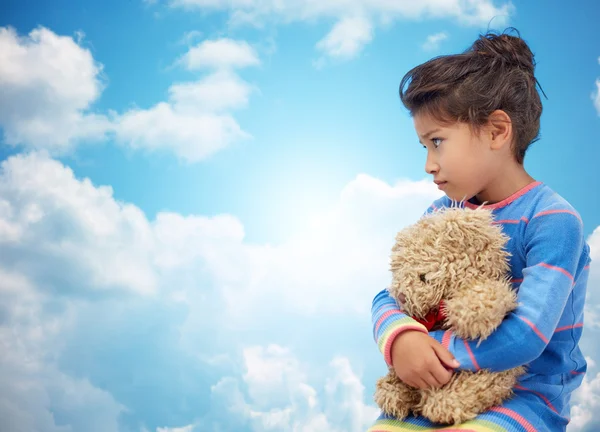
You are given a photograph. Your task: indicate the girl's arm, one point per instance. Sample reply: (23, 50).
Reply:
(388, 322)
(555, 255)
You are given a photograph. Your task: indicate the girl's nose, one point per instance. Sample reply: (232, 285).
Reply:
(431, 166)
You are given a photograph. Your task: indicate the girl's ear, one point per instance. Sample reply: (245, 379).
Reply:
(499, 129)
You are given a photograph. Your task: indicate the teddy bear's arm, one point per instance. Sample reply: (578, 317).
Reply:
(467, 395)
(394, 397)
(478, 308)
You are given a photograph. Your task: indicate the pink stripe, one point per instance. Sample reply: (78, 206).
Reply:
(569, 327)
(563, 271)
(446, 339)
(516, 280)
(587, 267)
(507, 221)
(508, 200)
(387, 350)
(459, 430)
(512, 221)
(380, 307)
(544, 398)
(547, 212)
(471, 355)
(515, 416)
(534, 328)
(383, 306)
(378, 323)
(383, 317)
(577, 373)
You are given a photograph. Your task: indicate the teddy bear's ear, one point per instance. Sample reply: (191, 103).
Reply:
(482, 239)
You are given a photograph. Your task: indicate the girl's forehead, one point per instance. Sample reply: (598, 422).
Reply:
(425, 124)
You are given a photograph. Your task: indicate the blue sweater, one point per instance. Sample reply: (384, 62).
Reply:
(550, 266)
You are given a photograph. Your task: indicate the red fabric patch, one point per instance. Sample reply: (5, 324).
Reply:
(433, 317)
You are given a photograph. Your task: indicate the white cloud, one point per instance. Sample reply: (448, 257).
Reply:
(52, 221)
(36, 395)
(190, 37)
(593, 298)
(192, 136)
(591, 362)
(48, 85)
(220, 53)
(196, 121)
(349, 35)
(188, 428)
(71, 255)
(32, 399)
(267, 369)
(218, 92)
(586, 399)
(49, 82)
(433, 41)
(468, 12)
(347, 38)
(586, 403)
(281, 398)
(596, 96)
(345, 392)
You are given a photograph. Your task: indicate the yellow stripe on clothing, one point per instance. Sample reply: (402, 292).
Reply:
(407, 322)
(472, 426)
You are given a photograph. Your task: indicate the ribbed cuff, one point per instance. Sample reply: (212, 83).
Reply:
(392, 332)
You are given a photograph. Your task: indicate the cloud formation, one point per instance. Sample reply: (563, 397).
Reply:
(355, 20)
(50, 83)
(433, 41)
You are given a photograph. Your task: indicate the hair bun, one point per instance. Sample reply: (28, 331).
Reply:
(510, 50)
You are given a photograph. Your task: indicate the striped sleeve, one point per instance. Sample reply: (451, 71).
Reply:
(554, 251)
(388, 322)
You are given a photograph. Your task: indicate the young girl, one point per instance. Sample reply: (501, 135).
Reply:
(476, 113)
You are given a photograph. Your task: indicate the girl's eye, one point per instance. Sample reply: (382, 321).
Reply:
(436, 141)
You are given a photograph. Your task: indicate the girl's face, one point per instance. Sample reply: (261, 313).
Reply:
(461, 162)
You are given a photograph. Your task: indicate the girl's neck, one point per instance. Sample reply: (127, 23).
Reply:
(511, 180)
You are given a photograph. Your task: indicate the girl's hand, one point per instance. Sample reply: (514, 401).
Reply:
(420, 361)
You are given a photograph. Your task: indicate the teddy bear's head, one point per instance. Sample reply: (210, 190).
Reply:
(432, 257)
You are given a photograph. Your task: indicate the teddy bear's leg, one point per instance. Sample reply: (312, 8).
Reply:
(394, 397)
(467, 395)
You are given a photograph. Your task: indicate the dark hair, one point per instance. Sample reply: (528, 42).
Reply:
(495, 73)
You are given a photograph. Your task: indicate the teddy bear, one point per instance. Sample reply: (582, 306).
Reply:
(450, 271)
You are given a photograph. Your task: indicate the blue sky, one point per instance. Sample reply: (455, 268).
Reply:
(197, 200)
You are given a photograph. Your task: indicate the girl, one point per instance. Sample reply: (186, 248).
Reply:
(476, 113)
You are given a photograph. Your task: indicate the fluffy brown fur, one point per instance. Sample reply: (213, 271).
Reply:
(456, 255)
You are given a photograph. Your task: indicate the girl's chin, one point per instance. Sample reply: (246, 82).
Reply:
(457, 196)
